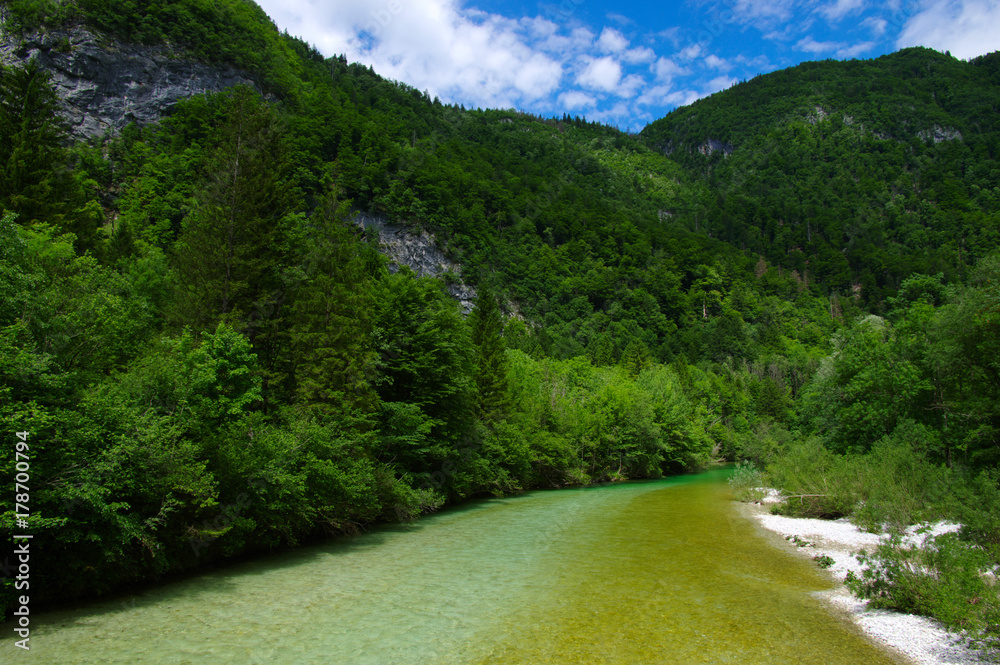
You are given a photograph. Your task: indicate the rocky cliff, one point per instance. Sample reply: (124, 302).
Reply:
(418, 250)
(104, 84)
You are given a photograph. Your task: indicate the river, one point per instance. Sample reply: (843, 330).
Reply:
(663, 571)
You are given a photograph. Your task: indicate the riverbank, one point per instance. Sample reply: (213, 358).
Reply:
(922, 640)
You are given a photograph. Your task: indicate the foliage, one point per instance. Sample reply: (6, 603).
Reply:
(747, 482)
(215, 360)
(891, 487)
(943, 579)
(35, 181)
(839, 171)
(486, 326)
(331, 333)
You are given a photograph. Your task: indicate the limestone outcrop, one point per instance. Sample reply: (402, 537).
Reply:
(104, 84)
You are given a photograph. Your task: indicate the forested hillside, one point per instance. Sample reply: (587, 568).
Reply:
(859, 173)
(211, 359)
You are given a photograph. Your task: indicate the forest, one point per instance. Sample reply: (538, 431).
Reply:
(213, 360)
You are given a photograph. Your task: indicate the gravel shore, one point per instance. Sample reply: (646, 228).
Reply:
(922, 640)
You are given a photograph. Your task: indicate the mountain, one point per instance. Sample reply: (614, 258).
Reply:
(213, 356)
(858, 172)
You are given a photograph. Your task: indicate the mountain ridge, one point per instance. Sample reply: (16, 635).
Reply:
(191, 318)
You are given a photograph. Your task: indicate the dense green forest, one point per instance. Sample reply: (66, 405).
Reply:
(212, 360)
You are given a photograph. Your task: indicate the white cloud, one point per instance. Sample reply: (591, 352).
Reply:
(840, 9)
(672, 35)
(541, 27)
(581, 37)
(666, 69)
(575, 99)
(876, 25)
(618, 114)
(630, 85)
(654, 96)
(720, 83)
(967, 28)
(683, 97)
(715, 62)
(433, 46)
(691, 52)
(810, 45)
(789, 31)
(779, 35)
(760, 63)
(601, 74)
(854, 50)
(638, 55)
(762, 13)
(841, 49)
(612, 41)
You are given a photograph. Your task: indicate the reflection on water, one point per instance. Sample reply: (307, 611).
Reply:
(654, 572)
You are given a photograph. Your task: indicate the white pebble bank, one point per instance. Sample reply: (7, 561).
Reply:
(921, 639)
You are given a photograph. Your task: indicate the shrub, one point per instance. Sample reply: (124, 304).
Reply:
(823, 561)
(889, 488)
(898, 486)
(819, 483)
(747, 482)
(944, 579)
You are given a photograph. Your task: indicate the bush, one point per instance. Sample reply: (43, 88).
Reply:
(978, 509)
(898, 486)
(818, 482)
(944, 579)
(747, 482)
(889, 488)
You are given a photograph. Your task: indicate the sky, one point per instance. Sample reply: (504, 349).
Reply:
(624, 63)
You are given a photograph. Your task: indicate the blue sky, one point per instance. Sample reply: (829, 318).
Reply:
(623, 63)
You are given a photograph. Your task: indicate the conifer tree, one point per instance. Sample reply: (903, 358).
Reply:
(35, 181)
(229, 248)
(331, 317)
(491, 356)
(30, 138)
(636, 358)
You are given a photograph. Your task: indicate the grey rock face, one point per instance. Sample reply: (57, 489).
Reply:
(706, 148)
(712, 145)
(939, 133)
(420, 252)
(104, 84)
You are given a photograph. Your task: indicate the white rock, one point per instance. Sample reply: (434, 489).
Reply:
(923, 640)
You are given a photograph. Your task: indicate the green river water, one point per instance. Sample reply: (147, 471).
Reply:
(654, 572)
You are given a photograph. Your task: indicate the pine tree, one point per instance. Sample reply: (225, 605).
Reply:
(491, 356)
(229, 248)
(35, 182)
(331, 318)
(30, 138)
(636, 358)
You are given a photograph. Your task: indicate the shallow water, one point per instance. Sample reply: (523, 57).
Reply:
(654, 572)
